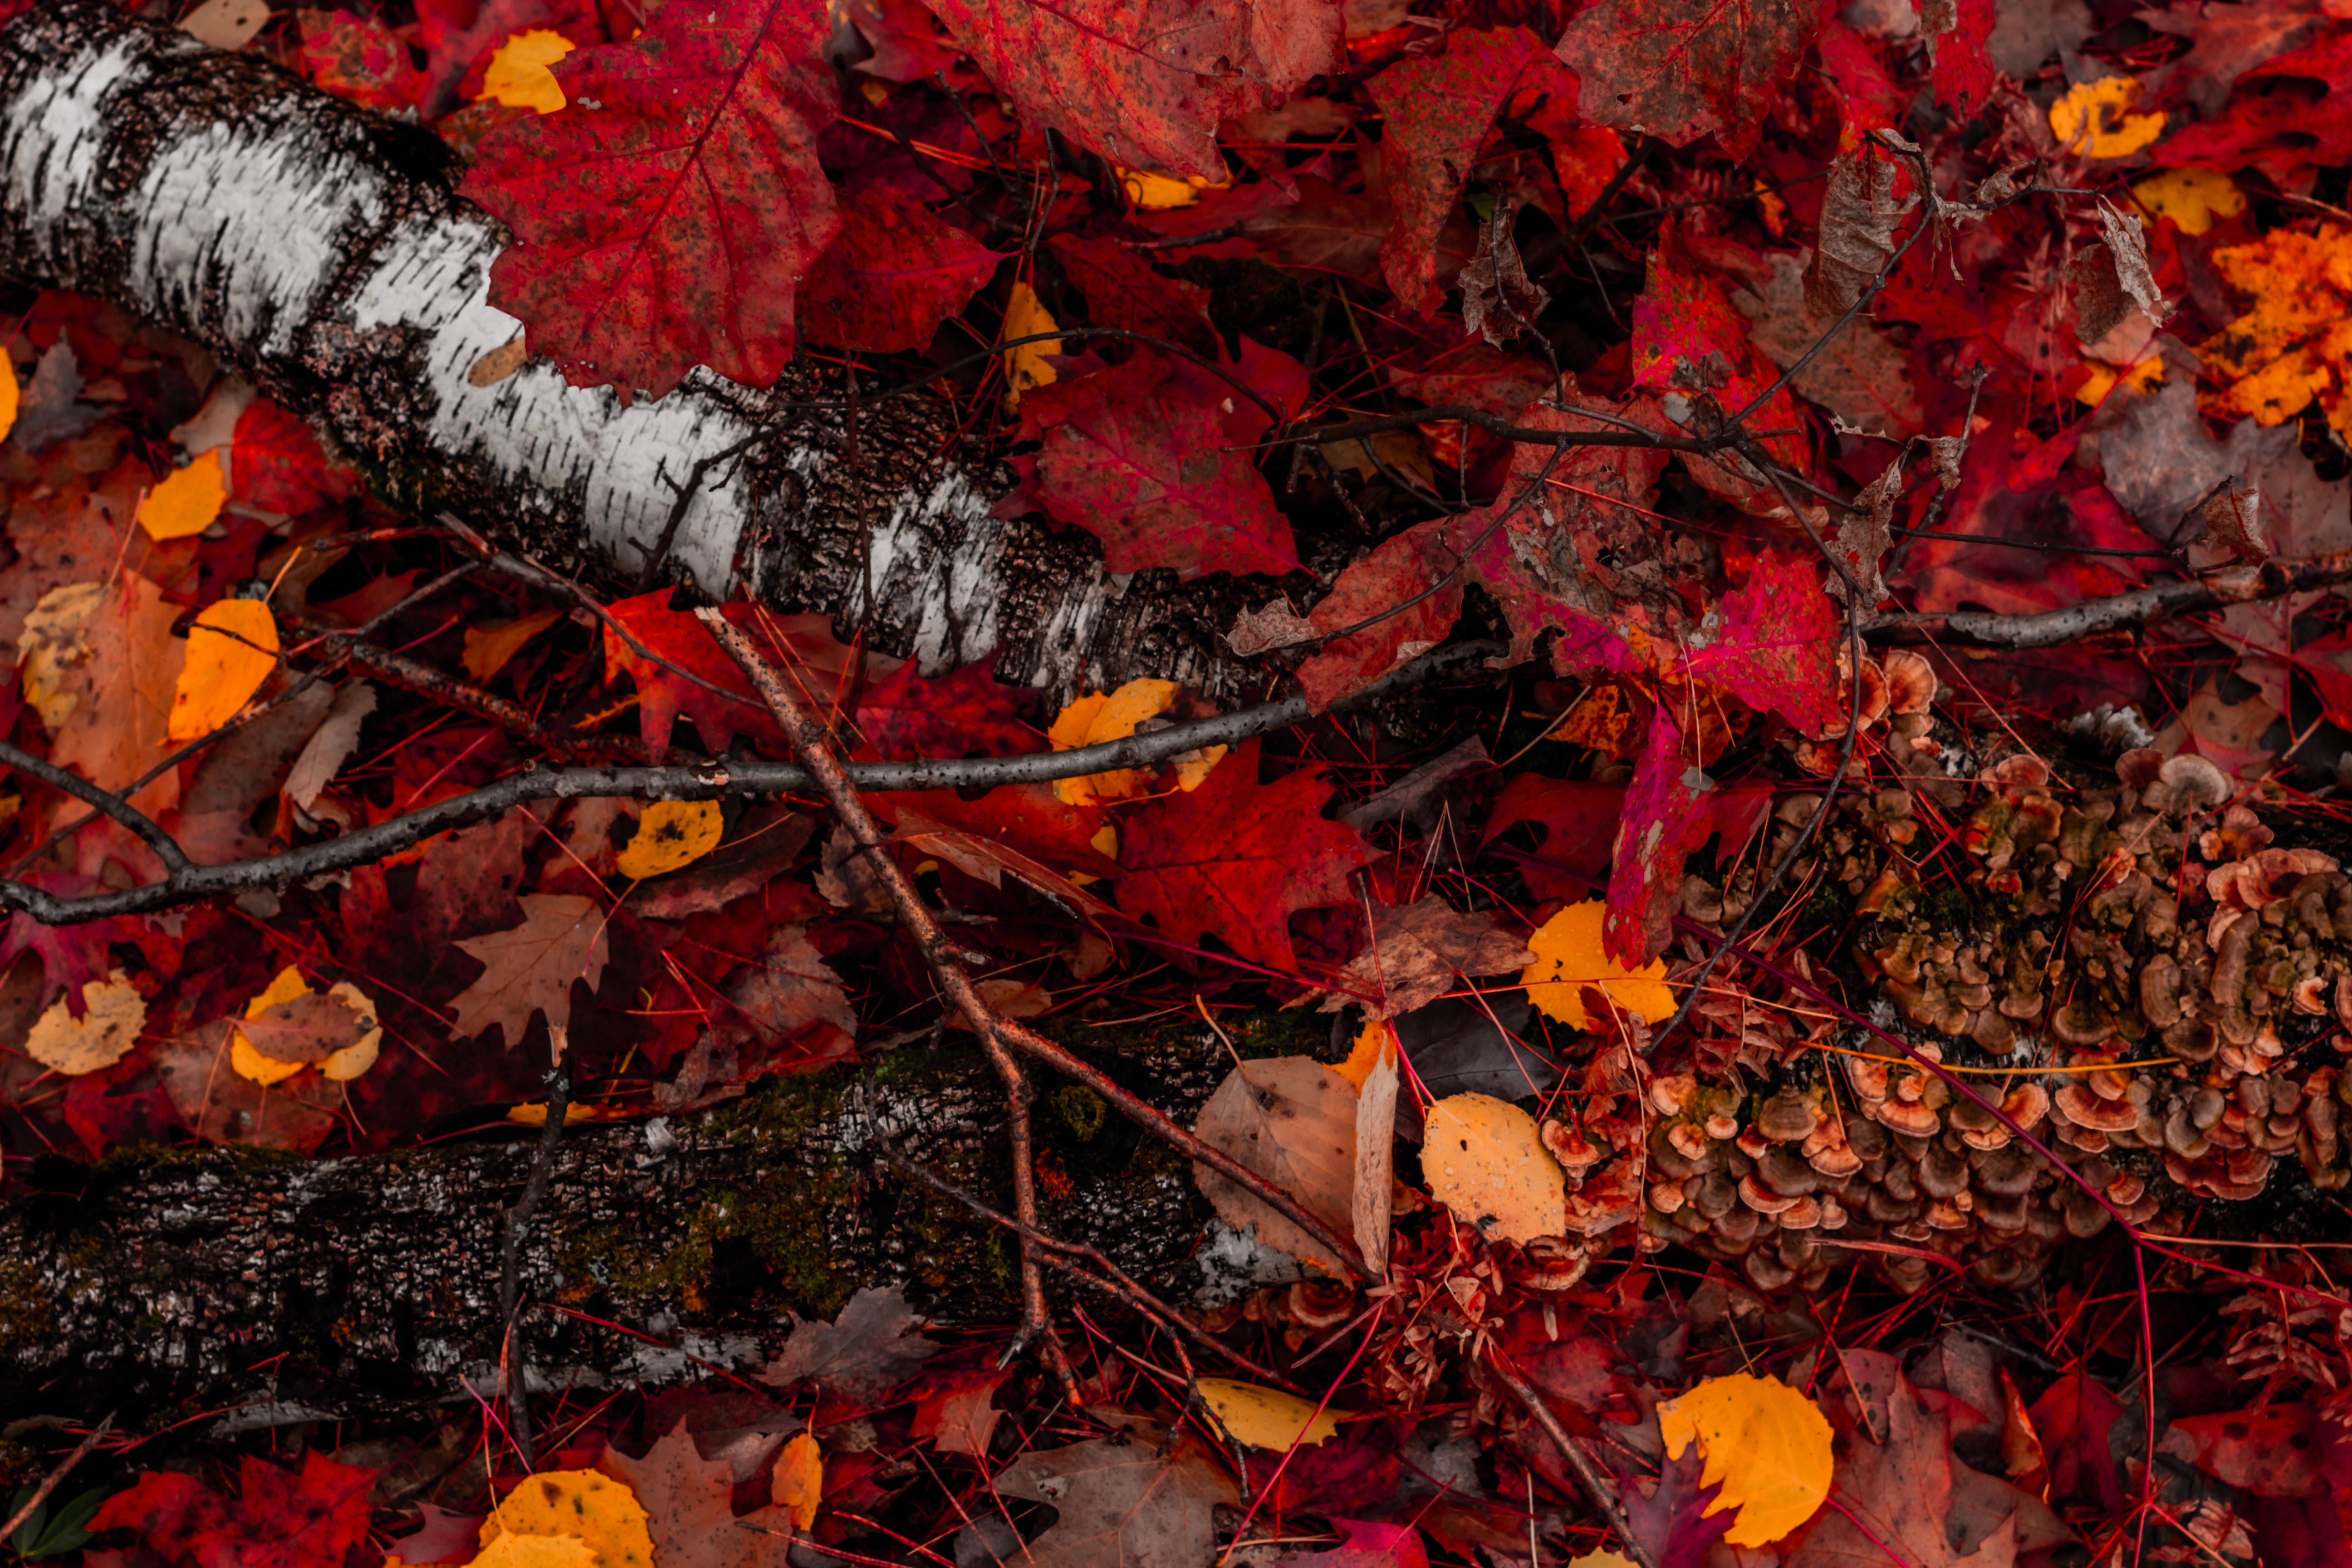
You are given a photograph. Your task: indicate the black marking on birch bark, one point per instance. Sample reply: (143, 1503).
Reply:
(321, 251)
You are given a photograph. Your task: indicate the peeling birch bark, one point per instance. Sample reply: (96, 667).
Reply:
(322, 251)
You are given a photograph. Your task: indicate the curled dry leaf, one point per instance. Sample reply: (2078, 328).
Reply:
(1292, 1121)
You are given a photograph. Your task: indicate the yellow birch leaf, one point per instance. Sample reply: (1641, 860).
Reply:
(1570, 957)
(7, 396)
(1764, 1441)
(1266, 1418)
(1483, 1158)
(2192, 199)
(188, 500)
(104, 1034)
(2093, 119)
(341, 1065)
(518, 76)
(1026, 366)
(232, 648)
(671, 833)
(580, 1505)
(798, 1485)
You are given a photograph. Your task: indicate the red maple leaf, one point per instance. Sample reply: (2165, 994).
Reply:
(277, 463)
(665, 216)
(959, 714)
(1679, 71)
(891, 276)
(1384, 584)
(1145, 82)
(1773, 643)
(280, 1521)
(359, 59)
(1122, 291)
(1236, 858)
(1153, 458)
(683, 670)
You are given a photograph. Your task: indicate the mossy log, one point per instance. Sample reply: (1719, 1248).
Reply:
(289, 1290)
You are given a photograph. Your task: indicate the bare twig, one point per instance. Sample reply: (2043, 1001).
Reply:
(1588, 1474)
(49, 1482)
(2047, 629)
(514, 1357)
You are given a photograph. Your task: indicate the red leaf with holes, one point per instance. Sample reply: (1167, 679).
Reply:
(664, 217)
(967, 713)
(1153, 457)
(1680, 70)
(1438, 111)
(1144, 82)
(891, 276)
(1236, 860)
(282, 1520)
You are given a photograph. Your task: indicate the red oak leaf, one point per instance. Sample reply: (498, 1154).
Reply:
(277, 463)
(665, 216)
(281, 1520)
(1679, 71)
(358, 58)
(891, 276)
(1689, 339)
(964, 714)
(1145, 82)
(682, 670)
(1438, 111)
(1124, 293)
(1773, 643)
(1236, 860)
(1152, 457)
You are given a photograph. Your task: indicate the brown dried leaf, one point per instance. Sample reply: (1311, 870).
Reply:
(1292, 1121)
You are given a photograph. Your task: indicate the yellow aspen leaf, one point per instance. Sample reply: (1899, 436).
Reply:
(2093, 119)
(188, 500)
(1570, 957)
(1266, 1418)
(2294, 343)
(798, 1485)
(1764, 1441)
(530, 1551)
(582, 1505)
(2194, 199)
(339, 1036)
(232, 648)
(1024, 366)
(1485, 1159)
(1101, 716)
(671, 833)
(8, 395)
(114, 1014)
(489, 649)
(518, 76)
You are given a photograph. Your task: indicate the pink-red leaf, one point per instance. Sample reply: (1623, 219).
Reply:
(665, 215)
(1773, 643)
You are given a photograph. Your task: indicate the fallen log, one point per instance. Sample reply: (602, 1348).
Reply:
(322, 251)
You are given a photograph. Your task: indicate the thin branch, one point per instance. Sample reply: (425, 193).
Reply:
(49, 1482)
(167, 848)
(1588, 1474)
(514, 1357)
(2047, 629)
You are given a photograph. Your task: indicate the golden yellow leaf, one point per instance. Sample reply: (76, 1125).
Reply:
(534, 1114)
(2192, 199)
(1570, 957)
(232, 648)
(1160, 193)
(1371, 1042)
(1485, 1159)
(671, 833)
(1600, 1560)
(101, 1037)
(582, 1505)
(1266, 1417)
(340, 1064)
(188, 500)
(2093, 119)
(1764, 1441)
(2294, 342)
(7, 396)
(1101, 716)
(488, 648)
(518, 76)
(798, 1485)
(531, 1552)
(2101, 379)
(1024, 366)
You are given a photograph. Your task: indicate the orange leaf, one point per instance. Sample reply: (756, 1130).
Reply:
(187, 500)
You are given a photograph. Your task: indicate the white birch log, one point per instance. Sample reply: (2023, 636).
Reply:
(322, 250)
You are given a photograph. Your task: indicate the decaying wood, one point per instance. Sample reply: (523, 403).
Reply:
(321, 251)
(167, 1276)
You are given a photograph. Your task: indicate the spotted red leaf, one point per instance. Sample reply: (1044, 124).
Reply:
(1679, 70)
(1773, 643)
(891, 276)
(280, 1519)
(1236, 860)
(359, 59)
(1145, 82)
(665, 215)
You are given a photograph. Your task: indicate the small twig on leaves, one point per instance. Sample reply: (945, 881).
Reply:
(813, 747)
(49, 1482)
(1588, 1474)
(2047, 629)
(514, 1358)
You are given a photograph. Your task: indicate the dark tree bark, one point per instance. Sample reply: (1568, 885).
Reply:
(160, 1277)
(323, 252)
